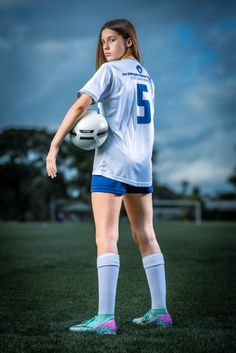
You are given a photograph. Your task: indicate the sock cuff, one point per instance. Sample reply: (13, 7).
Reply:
(108, 259)
(153, 260)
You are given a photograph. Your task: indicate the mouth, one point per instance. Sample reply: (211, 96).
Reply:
(107, 54)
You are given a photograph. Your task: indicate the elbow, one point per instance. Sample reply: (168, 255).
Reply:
(80, 110)
(82, 104)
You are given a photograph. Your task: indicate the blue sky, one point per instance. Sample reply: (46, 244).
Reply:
(47, 52)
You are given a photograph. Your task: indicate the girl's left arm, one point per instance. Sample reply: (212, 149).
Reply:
(74, 114)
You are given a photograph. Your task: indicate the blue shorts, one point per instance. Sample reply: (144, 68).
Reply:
(100, 183)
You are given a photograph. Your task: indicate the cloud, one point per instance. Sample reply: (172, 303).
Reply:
(12, 4)
(198, 172)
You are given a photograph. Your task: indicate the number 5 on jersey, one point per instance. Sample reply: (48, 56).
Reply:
(143, 108)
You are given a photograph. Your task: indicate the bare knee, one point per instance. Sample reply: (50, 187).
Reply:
(146, 240)
(106, 243)
(149, 242)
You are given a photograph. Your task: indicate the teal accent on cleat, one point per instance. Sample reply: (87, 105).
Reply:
(100, 324)
(156, 317)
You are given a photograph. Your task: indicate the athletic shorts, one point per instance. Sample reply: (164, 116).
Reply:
(100, 183)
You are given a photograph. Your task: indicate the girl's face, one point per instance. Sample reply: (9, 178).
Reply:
(114, 45)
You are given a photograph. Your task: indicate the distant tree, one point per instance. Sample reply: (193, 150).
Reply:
(196, 190)
(232, 178)
(82, 162)
(164, 192)
(24, 185)
(185, 185)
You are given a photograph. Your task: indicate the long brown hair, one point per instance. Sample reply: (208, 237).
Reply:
(126, 30)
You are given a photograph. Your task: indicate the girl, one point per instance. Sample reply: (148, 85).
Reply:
(122, 170)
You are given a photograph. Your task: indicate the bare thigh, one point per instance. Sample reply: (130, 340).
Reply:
(106, 212)
(140, 213)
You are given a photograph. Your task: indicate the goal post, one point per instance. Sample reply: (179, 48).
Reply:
(177, 210)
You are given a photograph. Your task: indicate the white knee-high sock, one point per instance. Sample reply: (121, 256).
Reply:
(108, 265)
(155, 272)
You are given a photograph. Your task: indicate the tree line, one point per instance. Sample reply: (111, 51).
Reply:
(27, 192)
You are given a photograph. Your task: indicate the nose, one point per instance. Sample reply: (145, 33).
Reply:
(105, 46)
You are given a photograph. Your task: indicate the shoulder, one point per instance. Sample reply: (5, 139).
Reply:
(104, 72)
(105, 67)
(147, 74)
(145, 71)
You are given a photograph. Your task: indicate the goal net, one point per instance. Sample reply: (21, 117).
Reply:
(181, 210)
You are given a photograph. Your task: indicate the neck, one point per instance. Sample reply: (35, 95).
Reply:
(127, 54)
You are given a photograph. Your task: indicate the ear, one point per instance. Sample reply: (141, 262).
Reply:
(129, 42)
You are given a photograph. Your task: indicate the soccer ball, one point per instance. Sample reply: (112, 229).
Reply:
(90, 131)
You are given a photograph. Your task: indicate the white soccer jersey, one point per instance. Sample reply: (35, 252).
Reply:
(125, 96)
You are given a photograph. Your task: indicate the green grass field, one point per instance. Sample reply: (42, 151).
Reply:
(49, 282)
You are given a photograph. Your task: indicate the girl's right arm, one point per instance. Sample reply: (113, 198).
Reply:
(74, 114)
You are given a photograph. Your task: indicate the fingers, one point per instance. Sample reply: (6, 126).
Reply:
(51, 168)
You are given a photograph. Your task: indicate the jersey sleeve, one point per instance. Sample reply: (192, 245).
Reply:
(98, 87)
